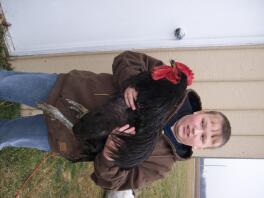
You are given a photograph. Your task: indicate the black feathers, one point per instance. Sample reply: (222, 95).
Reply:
(155, 102)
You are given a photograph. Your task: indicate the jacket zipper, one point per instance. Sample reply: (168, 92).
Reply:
(169, 117)
(101, 94)
(178, 107)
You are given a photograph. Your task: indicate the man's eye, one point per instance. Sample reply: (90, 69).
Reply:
(203, 138)
(202, 123)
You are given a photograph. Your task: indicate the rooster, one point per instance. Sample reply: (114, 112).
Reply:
(159, 92)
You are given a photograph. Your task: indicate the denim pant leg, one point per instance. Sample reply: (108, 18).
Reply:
(24, 87)
(27, 132)
(30, 89)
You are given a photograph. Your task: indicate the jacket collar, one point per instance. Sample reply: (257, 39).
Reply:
(190, 103)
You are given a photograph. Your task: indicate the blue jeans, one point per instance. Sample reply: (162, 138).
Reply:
(29, 89)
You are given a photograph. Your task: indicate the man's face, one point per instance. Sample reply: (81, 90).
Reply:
(199, 130)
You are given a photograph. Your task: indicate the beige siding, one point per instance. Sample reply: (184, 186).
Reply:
(231, 95)
(224, 64)
(246, 122)
(228, 79)
(248, 146)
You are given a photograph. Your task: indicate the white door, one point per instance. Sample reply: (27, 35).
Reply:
(59, 26)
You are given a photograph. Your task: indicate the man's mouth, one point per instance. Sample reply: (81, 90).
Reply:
(186, 131)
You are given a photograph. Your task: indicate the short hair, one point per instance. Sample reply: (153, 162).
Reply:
(226, 127)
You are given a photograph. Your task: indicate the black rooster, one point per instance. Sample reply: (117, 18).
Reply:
(156, 100)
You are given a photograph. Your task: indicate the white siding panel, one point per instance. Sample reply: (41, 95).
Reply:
(58, 26)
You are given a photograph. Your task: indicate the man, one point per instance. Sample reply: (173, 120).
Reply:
(186, 128)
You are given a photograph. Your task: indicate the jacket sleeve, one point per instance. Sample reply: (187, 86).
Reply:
(129, 63)
(109, 176)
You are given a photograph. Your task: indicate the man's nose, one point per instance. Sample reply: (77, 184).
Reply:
(197, 130)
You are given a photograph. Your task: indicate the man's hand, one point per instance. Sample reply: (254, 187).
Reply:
(130, 96)
(111, 144)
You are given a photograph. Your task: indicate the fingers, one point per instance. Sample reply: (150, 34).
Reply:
(126, 100)
(130, 96)
(123, 128)
(110, 144)
(130, 131)
(135, 93)
(131, 101)
(133, 98)
(126, 129)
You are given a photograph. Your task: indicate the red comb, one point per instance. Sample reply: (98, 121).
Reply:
(172, 73)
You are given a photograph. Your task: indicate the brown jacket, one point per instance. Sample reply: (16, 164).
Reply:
(93, 90)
